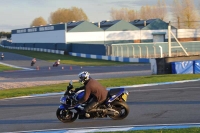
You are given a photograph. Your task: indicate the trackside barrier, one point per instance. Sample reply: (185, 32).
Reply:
(112, 58)
(35, 49)
(120, 59)
(186, 67)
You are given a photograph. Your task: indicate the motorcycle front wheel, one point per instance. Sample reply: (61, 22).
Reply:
(66, 116)
(122, 108)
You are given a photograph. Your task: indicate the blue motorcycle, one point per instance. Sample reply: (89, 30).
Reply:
(114, 106)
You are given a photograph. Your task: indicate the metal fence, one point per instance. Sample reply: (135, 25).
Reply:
(152, 50)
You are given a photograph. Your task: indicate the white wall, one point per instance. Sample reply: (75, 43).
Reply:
(147, 34)
(188, 33)
(84, 36)
(57, 36)
(122, 35)
(101, 36)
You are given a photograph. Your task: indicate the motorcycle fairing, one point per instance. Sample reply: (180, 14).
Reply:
(62, 106)
(80, 94)
(114, 93)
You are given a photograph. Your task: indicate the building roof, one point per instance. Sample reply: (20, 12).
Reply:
(142, 23)
(73, 24)
(105, 24)
(82, 26)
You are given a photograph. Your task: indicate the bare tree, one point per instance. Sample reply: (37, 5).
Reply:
(67, 15)
(124, 14)
(143, 13)
(148, 12)
(185, 13)
(119, 14)
(154, 11)
(38, 22)
(177, 12)
(132, 15)
(189, 13)
(161, 9)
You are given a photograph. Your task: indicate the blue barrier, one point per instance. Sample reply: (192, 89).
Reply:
(186, 67)
(196, 66)
(112, 58)
(183, 67)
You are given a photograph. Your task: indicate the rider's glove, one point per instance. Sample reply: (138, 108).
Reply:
(69, 87)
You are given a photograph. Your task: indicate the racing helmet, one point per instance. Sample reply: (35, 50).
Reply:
(59, 60)
(83, 77)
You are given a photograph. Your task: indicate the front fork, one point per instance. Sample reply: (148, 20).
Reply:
(63, 107)
(68, 108)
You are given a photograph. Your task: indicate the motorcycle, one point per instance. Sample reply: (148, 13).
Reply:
(55, 64)
(32, 63)
(114, 106)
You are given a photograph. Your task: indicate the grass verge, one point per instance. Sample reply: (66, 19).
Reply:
(65, 59)
(7, 68)
(106, 82)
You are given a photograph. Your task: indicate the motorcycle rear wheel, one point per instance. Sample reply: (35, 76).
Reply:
(122, 108)
(66, 116)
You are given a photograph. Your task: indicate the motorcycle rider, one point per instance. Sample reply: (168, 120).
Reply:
(91, 86)
(33, 61)
(2, 56)
(56, 63)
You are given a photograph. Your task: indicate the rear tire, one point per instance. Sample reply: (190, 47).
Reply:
(66, 116)
(122, 108)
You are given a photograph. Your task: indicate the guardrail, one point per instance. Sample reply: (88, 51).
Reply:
(35, 49)
(120, 59)
(153, 50)
(112, 58)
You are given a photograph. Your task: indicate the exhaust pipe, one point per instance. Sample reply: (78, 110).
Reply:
(112, 112)
(108, 111)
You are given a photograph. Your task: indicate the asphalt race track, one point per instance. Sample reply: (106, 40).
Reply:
(62, 73)
(46, 69)
(161, 104)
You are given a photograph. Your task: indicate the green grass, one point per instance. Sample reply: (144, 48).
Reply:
(114, 82)
(65, 59)
(7, 68)
(186, 130)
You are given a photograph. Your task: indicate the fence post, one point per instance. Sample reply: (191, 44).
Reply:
(133, 51)
(147, 52)
(117, 51)
(169, 39)
(121, 51)
(154, 51)
(161, 51)
(140, 51)
(127, 48)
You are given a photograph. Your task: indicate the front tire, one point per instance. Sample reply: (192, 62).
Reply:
(122, 108)
(66, 116)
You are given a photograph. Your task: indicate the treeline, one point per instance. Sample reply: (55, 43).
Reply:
(5, 34)
(62, 15)
(183, 14)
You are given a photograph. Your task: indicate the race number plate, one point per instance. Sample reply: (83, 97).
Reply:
(124, 97)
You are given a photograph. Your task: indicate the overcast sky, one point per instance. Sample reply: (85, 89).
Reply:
(17, 14)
